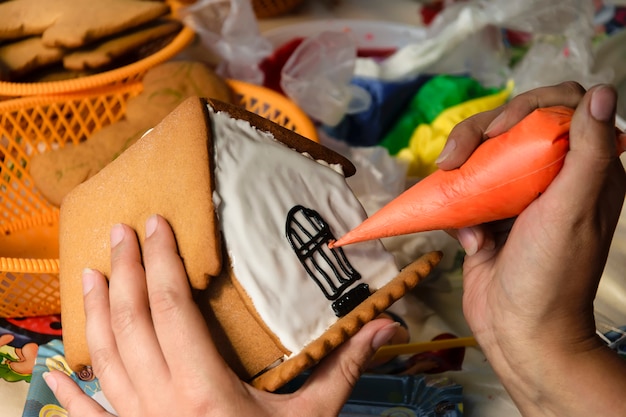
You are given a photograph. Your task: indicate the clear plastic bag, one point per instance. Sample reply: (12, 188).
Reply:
(230, 30)
(462, 39)
(561, 48)
(317, 77)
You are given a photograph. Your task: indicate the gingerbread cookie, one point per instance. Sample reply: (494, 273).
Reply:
(73, 23)
(232, 183)
(165, 86)
(106, 52)
(24, 56)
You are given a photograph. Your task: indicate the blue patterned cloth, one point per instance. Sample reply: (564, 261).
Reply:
(40, 401)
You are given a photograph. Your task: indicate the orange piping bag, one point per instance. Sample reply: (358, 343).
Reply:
(498, 181)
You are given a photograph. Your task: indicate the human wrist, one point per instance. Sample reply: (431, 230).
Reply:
(544, 380)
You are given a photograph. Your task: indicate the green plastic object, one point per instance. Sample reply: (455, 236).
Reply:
(436, 95)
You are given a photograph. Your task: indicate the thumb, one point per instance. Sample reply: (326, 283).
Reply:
(593, 132)
(593, 147)
(337, 374)
(583, 202)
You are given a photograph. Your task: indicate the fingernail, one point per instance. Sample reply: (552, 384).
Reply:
(602, 106)
(446, 151)
(151, 225)
(117, 235)
(50, 381)
(384, 335)
(89, 280)
(467, 239)
(495, 127)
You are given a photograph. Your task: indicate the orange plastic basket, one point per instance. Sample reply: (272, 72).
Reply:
(123, 75)
(29, 247)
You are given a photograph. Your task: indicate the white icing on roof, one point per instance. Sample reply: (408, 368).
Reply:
(258, 181)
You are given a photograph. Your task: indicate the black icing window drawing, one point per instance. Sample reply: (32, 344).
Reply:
(308, 235)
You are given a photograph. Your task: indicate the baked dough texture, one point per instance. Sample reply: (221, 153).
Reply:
(165, 86)
(169, 171)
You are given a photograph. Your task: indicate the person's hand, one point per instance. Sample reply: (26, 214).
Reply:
(530, 282)
(153, 355)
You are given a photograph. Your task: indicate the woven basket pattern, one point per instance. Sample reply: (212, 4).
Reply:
(271, 8)
(39, 124)
(30, 287)
(275, 107)
(128, 74)
(28, 294)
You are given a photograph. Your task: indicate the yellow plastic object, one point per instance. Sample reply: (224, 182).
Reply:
(428, 140)
(127, 74)
(29, 265)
